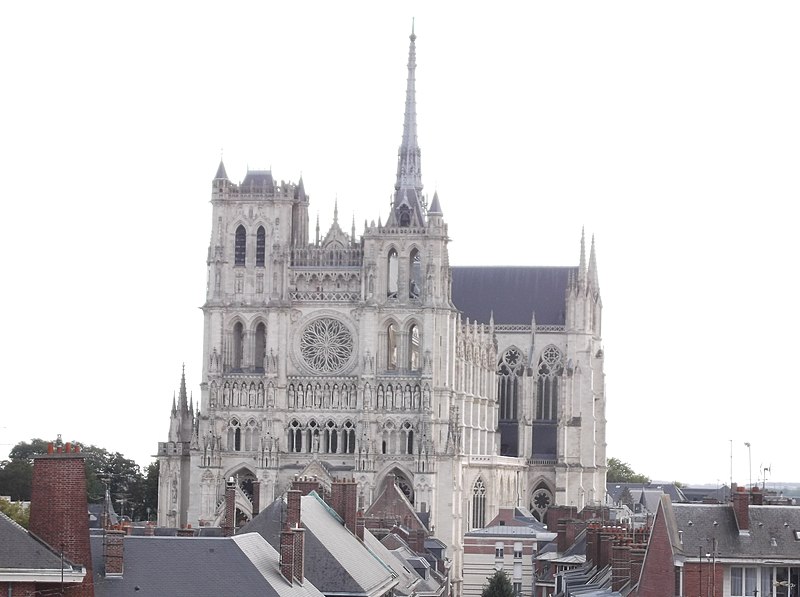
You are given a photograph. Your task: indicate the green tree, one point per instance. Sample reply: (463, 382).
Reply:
(15, 512)
(151, 489)
(621, 472)
(15, 479)
(499, 585)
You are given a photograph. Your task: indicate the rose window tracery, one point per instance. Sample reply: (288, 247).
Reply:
(326, 345)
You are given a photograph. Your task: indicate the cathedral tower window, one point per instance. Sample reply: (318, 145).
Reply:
(408, 438)
(550, 368)
(261, 245)
(393, 272)
(478, 504)
(240, 247)
(312, 441)
(541, 500)
(391, 347)
(349, 438)
(331, 438)
(413, 348)
(260, 347)
(238, 345)
(234, 436)
(295, 437)
(509, 381)
(415, 275)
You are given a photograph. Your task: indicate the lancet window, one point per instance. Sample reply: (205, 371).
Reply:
(391, 347)
(478, 504)
(238, 345)
(240, 246)
(415, 275)
(413, 348)
(550, 368)
(261, 245)
(234, 436)
(510, 371)
(261, 346)
(393, 272)
(295, 437)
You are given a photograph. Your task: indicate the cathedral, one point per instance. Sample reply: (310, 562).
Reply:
(372, 358)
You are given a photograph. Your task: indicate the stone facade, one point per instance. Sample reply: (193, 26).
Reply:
(352, 357)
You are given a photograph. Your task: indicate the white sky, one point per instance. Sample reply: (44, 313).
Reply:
(669, 130)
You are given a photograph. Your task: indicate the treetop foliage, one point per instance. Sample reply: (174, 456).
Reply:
(499, 585)
(621, 472)
(132, 491)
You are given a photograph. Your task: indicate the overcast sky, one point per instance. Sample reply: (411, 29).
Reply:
(668, 130)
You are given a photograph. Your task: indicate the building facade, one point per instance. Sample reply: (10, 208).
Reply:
(373, 358)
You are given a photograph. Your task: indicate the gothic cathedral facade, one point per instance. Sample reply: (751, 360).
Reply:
(374, 359)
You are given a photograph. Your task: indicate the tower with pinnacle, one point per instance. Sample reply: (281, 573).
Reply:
(373, 358)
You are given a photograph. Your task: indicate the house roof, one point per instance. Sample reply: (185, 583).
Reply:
(772, 533)
(340, 562)
(615, 491)
(25, 557)
(512, 294)
(181, 566)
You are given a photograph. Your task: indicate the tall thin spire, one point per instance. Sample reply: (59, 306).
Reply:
(592, 272)
(182, 394)
(582, 264)
(408, 186)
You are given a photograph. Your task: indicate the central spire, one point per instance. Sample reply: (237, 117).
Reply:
(407, 203)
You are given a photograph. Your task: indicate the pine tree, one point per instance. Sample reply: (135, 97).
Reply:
(499, 585)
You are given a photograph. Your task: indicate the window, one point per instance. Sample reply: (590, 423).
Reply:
(408, 437)
(743, 581)
(415, 275)
(478, 504)
(498, 550)
(413, 348)
(392, 275)
(238, 344)
(295, 438)
(234, 436)
(331, 438)
(518, 550)
(261, 244)
(349, 438)
(391, 347)
(240, 247)
(547, 385)
(261, 346)
(517, 588)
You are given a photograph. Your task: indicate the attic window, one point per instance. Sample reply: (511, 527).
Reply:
(797, 535)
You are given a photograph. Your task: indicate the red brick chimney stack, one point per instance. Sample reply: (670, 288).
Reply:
(299, 555)
(59, 512)
(114, 552)
(293, 497)
(344, 499)
(741, 508)
(306, 485)
(361, 523)
(287, 554)
(230, 508)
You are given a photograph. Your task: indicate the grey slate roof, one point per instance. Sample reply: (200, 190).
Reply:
(335, 558)
(513, 294)
(196, 567)
(766, 523)
(21, 550)
(258, 178)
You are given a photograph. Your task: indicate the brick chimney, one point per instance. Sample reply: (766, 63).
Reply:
(361, 524)
(620, 566)
(561, 536)
(756, 497)
(113, 553)
(417, 541)
(230, 508)
(299, 549)
(741, 509)
(187, 531)
(344, 499)
(287, 554)
(256, 498)
(59, 512)
(306, 485)
(293, 508)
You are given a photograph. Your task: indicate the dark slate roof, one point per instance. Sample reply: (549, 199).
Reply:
(195, 567)
(766, 523)
(221, 174)
(674, 492)
(258, 178)
(513, 294)
(21, 550)
(340, 562)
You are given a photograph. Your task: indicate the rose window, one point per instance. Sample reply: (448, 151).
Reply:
(326, 345)
(541, 500)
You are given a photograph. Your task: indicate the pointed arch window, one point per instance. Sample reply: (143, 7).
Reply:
(261, 246)
(415, 275)
(510, 371)
(413, 348)
(295, 437)
(405, 216)
(393, 272)
(261, 346)
(391, 347)
(349, 438)
(331, 438)
(238, 345)
(478, 504)
(234, 436)
(240, 246)
(408, 438)
(550, 368)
